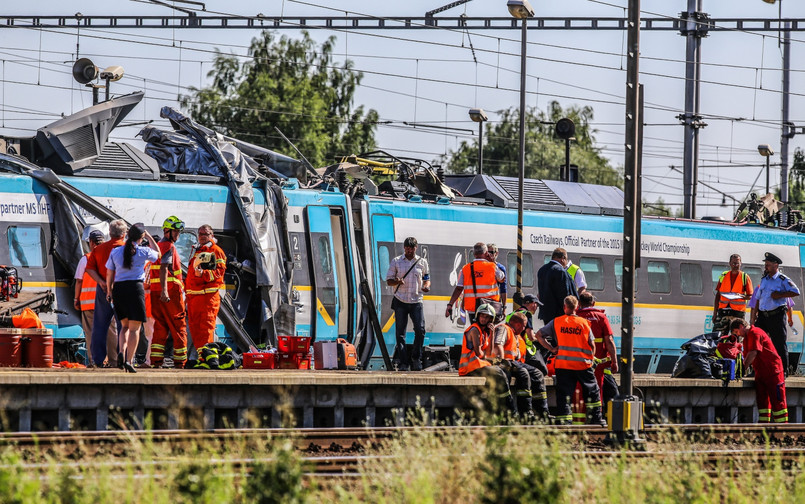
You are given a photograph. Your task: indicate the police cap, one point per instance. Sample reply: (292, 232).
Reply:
(772, 258)
(530, 298)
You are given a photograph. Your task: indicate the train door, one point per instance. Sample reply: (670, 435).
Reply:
(383, 243)
(325, 276)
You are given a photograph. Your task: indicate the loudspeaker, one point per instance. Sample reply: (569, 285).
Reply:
(565, 128)
(84, 71)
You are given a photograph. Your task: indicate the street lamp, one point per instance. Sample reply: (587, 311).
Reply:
(521, 9)
(478, 115)
(766, 151)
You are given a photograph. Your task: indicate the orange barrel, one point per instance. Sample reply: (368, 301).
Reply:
(37, 348)
(10, 347)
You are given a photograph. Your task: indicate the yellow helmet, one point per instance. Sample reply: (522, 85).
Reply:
(173, 222)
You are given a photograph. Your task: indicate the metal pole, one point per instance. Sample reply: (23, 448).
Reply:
(566, 174)
(688, 159)
(481, 148)
(631, 198)
(786, 134)
(767, 174)
(521, 160)
(697, 40)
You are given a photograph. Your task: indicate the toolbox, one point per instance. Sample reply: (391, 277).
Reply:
(259, 360)
(293, 344)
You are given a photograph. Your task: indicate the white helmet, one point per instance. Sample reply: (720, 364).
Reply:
(485, 309)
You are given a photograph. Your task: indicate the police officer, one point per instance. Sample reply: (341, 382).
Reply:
(574, 349)
(768, 304)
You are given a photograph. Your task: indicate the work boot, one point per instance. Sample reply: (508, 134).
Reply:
(416, 365)
(594, 416)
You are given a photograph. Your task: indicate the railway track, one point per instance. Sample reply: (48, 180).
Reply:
(357, 440)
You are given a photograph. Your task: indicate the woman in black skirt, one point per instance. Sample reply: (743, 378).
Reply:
(124, 281)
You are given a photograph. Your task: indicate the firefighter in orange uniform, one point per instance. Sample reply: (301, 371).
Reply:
(574, 351)
(477, 280)
(167, 301)
(475, 348)
(205, 276)
(734, 282)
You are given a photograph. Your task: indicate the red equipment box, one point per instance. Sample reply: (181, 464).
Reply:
(259, 360)
(294, 361)
(293, 344)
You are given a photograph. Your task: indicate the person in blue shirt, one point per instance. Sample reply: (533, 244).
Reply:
(125, 273)
(768, 304)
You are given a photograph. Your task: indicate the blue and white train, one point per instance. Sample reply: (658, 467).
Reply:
(332, 242)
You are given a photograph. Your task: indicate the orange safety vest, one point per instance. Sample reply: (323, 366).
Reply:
(175, 271)
(469, 360)
(86, 298)
(486, 285)
(573, 341)
(27, 319)
(523, 347)
(510, 347)
(738, 287)
(210, 280)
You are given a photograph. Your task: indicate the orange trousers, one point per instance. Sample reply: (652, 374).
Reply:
(169, 318)
(202, 311)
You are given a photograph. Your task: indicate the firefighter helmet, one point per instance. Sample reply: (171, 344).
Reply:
(173, 222)
(485, 309)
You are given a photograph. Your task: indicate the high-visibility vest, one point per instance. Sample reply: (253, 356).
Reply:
(486, 285)
(523, 347)
(469, 360)
(86, 298)
(210, 280)
(175, 271)
(572, 270)
(511, 346)
(738, 287)
(573, 341)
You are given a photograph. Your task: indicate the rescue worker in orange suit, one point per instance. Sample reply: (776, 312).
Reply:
(574, 351)
(529, 381)
(759, 352)
(84, 299)
(606, 354)
(733, 283)
(167, 302)
(205, 276)
(476, 348)
(477, 280)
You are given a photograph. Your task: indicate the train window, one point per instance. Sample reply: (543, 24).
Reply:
(691, 276)
(619, 275)
(324, 254)
(716, 271)
(383, 259)
(528, 269)
(26, 245)
(593, 269)
(546, 259)
(755, 273)
(184, 245)
(659, 277)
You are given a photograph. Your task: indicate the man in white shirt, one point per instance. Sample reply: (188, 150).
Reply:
(410, 276)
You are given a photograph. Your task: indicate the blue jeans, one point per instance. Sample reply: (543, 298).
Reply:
(100, 326)
(401, 314)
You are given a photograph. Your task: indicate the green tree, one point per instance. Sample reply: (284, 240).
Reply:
(544, 153)
(657, 208)
(294, 85)
(796, 189)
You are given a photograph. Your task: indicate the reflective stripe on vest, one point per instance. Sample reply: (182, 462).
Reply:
(511, 346)
(469, 360)
(486, 285)
(573, 338)
(738, 287)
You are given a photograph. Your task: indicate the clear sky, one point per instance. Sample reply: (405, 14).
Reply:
(432, 76)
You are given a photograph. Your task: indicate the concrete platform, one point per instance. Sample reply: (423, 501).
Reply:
(97, 399)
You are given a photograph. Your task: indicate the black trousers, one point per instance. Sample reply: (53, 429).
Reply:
(529, 387)
(402, 312)
(566, 380)
(498, 391)
(774, 325)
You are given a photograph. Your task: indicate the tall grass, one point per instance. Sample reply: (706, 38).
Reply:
(461, 465)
